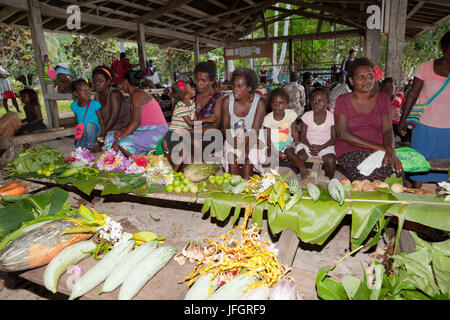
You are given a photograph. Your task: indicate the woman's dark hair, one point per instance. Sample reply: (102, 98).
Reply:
(176, 92)
(306, 75)
(250, 77)
(277, 92)
(34, 100)
(324, 90)
(339, 75)
(104, 71)
(135, 77)
(445, 41)
(208, 67)
(359, 62)
(77, 83)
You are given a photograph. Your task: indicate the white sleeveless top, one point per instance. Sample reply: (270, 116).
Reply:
(248, 119)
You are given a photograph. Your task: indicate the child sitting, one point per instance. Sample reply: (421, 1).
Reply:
(317, 134)
(33, 113)
(243, 114)
(282, 134)
(87, 112)
(183, 118)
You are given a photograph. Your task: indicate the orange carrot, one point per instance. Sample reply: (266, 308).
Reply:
(9, 186)
(15, 191)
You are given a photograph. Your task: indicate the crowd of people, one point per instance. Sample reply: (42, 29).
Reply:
(342, 124)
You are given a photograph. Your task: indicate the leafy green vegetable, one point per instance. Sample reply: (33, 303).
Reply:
(33, 159)
(420, 275)
(35, 208)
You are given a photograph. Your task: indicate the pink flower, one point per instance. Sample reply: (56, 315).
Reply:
(109, 160)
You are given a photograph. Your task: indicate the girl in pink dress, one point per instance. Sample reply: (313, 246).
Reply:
(317, 133)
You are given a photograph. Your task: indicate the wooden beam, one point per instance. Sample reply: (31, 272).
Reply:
(396, 38)
(40, 50)
(196, 50)
(434, 25)
(330, 9)
(415, 9)
(308, 36)
(141, 46)
(234, 19)
(8, 12)
(154, 14)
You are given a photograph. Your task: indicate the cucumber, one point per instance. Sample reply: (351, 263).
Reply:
(98, 273)
(63, 260)
(200, 289)
(145, 270)
(70, 172)
(119, 274)
(234, 289)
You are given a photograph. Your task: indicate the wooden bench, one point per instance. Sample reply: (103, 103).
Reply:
(42, 135)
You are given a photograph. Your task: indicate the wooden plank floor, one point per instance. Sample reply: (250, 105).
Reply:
(165, 284)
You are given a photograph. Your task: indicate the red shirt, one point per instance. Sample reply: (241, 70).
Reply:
(396, 105)
(119, 66)
(366, 126)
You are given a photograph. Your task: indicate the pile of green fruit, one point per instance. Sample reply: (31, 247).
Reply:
(182, 184)
(48, 171)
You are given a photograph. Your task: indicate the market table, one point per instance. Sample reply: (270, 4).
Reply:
(287, 243)
(167, 284)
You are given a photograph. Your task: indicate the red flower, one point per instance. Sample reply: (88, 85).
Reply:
(109, 160)
(141, 162)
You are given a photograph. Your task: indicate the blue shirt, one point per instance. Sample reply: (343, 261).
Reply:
(91, 115)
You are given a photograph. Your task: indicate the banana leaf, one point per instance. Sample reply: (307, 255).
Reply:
(130, 183)
(428, 210)
(220, 204)
(41, 204)
(85, 185)
(366, 214)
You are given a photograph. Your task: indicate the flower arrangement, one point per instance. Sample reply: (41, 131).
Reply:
(108, 233)
(82, 155)
(111, 160)
(139, 164)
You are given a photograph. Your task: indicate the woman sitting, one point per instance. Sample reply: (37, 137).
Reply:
(243, 115)
(147, 126)
(32, 108)
(115, 110)
(363, 125)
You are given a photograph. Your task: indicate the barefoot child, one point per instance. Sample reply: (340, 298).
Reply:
(317, 134)
(183, 118)
(282, 130)
(87, 111)
(243, 114)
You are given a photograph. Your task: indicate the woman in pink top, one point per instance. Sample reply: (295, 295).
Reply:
(363, 125)
(431, 136)
(147, 125)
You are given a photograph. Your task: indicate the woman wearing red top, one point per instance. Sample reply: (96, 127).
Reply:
(363, 125)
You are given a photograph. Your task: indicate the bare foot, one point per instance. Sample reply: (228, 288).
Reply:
(304, 173)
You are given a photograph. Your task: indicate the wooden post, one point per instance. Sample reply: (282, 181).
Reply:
(40, 50)
(196, 50)
(301, 53)
(396, 37)
(141, 46)
(291, 55)
(372, 45)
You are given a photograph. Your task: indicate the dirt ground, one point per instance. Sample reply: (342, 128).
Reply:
(185, 222)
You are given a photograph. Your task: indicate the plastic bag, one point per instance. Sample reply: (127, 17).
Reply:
(412, 160)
